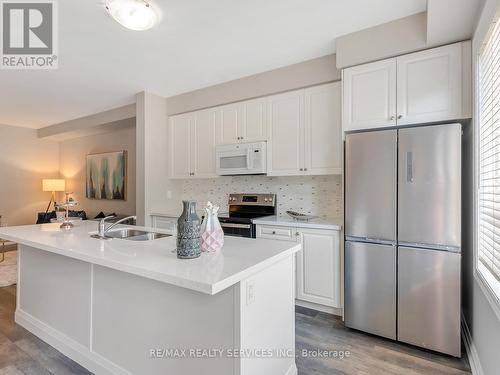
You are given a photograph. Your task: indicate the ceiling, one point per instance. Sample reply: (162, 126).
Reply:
(198, 44)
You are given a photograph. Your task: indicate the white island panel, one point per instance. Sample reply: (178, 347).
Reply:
(50, 280)
(133, 315)
(109, 305)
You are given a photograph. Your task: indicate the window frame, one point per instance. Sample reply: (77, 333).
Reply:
(481, 274)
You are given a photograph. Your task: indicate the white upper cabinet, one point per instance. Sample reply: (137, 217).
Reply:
(230, 122)
(285, 152)
(203, 135)
(254, 125)
(430, 85)
(302, 129)
(370, 95)
(323, 130)
(180, 145)
(422, 87)
(192, 144)
(305, 132)
(243, 122)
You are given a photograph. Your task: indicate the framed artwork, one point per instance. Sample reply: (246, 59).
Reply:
(107, 176)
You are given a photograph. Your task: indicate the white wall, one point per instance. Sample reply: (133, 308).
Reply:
(153, 186)
(73, 168)
(481, 316)
(24, 161)
(307, 73)
(444, 22)
(390, 39)
(451, 21)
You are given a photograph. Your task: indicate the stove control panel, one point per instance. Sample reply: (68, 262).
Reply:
(252, 199)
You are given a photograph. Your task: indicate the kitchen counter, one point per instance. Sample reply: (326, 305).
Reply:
(318, 223)
(116, 306)
(156, 259)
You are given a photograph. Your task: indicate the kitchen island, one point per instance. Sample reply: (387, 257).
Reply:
(131, 307)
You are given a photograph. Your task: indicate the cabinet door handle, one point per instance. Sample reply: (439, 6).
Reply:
(301, 169)
(274, 232)
(392, 118)
(297, 233)
(400, 116)
(305, 169)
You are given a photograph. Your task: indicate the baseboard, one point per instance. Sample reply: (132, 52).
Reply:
(69, 347)
(322, 308)
(78, 352)
(292, 370)
(470, 348)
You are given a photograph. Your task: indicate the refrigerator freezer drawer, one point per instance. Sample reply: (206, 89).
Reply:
(370, 288)
(429, 299)
(370, 184)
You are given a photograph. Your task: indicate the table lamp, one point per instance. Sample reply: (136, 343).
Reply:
(53, 185)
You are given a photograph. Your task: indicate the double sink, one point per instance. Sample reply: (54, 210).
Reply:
(134, 234)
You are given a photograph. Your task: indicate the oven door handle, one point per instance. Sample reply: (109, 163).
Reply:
(232, 225)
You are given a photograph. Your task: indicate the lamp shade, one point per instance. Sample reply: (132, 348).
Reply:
(53, 184)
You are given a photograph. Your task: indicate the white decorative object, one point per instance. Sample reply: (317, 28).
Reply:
(212, 235)
(300, 216)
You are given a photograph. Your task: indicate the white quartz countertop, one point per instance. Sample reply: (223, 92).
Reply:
(156, 259)
(318, 223)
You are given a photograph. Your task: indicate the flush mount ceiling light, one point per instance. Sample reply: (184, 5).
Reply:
(133, 14)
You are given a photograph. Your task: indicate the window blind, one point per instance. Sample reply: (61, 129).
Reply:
(489, 153)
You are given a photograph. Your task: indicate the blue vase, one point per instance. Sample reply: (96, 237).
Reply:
(188, 232)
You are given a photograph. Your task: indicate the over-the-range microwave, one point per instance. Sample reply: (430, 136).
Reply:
(241, 158)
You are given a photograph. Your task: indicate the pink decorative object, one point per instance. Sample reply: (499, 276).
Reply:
(212, 235)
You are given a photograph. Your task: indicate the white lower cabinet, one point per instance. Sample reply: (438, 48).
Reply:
(318, 267)
(317, 264)
(164, 222)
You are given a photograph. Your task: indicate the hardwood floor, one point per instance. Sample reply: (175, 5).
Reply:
(23, 353)
(369, 355)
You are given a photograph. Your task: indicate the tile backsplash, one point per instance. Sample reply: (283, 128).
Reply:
(315, 195)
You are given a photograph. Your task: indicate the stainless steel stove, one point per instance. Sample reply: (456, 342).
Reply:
(243, 209)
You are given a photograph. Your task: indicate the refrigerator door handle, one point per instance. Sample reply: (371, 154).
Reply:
(438, 247)
(409, 166)
(370, 240)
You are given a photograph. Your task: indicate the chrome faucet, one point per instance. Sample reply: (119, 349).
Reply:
(102, 224)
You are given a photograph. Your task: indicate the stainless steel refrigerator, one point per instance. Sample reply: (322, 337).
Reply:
(402, 235)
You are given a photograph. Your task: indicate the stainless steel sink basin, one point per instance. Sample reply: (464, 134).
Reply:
(124, 233)
(148, 236)
(134, 234)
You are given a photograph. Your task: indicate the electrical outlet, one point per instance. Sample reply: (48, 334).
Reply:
(250, 292)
